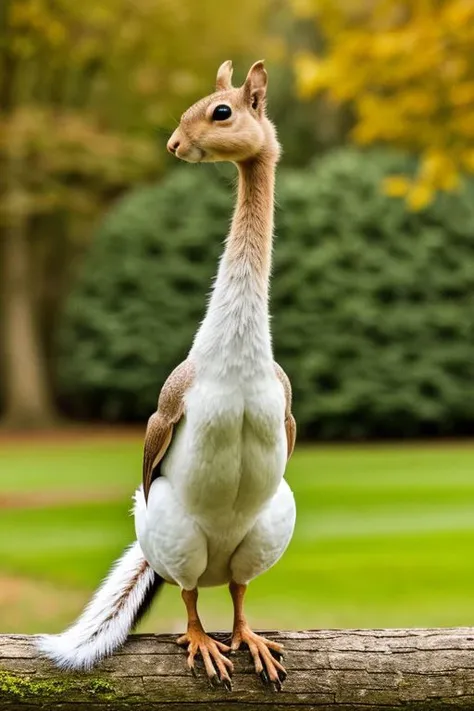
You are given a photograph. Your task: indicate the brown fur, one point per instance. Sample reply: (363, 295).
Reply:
(247, 138)
(246, 134)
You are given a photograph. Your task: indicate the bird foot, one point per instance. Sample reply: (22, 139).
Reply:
(266, 655)
(217, 666)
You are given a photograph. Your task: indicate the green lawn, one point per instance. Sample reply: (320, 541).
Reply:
(385, 537)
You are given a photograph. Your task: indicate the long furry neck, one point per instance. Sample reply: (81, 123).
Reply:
(236, 329)
(249, 244)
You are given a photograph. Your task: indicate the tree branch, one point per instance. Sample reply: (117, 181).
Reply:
(339, 670)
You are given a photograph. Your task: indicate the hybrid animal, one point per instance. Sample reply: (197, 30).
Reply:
(214, 507)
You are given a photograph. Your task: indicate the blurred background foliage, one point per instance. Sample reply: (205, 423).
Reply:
(407, 70)
(100, 297)
(374, 318)
(107, 251)
(84, 88)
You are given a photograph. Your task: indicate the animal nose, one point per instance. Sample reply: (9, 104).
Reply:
(173, 145)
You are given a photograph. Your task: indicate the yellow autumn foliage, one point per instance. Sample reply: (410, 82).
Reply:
(407, 69)
(84, 87)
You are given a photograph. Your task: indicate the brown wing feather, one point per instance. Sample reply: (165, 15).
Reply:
(290, 422)
(159, 432)
(290, 426)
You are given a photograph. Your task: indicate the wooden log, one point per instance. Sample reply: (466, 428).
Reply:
(337, 670)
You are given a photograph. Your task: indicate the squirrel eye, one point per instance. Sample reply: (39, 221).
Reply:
(221, 112)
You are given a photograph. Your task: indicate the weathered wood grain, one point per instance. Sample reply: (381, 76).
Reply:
(337, 670)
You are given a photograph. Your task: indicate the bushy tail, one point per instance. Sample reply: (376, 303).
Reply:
(113, 612)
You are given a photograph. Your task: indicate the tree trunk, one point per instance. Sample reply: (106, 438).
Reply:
(328, 670)
(28, 403)
(27, 399)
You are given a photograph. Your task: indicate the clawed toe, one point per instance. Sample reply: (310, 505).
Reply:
(227, 683)
(266, 656)
(276, 685)
(218, 667)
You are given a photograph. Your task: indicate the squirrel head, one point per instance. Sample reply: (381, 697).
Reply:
(228, 125)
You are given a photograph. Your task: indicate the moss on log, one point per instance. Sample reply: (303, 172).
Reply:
(337, 670)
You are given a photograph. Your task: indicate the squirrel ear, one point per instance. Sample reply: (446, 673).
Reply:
(224, 76)
(255, 86)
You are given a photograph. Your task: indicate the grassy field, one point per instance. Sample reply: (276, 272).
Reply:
(384, 537)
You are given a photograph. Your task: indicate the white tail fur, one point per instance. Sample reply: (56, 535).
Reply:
(112, 613)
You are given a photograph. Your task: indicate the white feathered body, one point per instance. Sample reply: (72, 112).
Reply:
(221, 508)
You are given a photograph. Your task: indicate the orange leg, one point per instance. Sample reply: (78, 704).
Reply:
(263, 650)
(218, 667)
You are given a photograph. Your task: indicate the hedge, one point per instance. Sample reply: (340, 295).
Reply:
(373, 305)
